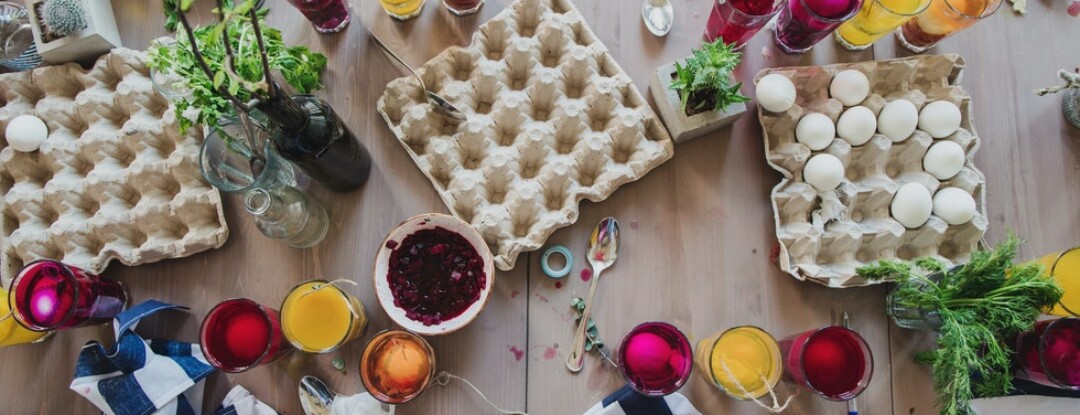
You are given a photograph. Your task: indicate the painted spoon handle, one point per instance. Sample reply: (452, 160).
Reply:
(575, 360)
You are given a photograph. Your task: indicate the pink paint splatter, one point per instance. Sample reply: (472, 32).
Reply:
(774, 254)
(514, 294)
(550, 353)
(518, 353)
(558, 284)
(542, 298)
(586, 274)
(1074, 8)
(634, 225)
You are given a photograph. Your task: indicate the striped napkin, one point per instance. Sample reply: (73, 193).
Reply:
(626, 401)
(140, 377)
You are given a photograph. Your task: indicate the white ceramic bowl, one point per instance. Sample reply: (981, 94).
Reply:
(382, 284)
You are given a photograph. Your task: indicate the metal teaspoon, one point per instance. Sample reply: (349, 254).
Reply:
(603, 250)
(440, 103)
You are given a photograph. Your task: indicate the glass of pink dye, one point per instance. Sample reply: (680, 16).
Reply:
(655, 358)
(50, 295)
(804, 23)
(1050, 353)
(328, 16)
(239, 334)
(736, 21)
(833, 362)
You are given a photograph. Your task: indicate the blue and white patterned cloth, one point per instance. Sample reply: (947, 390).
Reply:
(627, 402)
(139, 377)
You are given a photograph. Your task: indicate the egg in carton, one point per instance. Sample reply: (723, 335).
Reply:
(114, 179)
(824, 236)
(551, 120)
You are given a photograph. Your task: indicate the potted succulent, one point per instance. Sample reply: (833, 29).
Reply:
(1070, 102)
(698, 95)
(73, 30)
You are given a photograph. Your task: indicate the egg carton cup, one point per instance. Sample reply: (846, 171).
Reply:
(824, 237)
(551, 119)
(115, 179)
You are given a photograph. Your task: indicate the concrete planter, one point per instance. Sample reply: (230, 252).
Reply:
(681, 126)
(99, 37)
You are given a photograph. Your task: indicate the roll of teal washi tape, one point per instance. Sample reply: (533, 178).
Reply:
(545, 264)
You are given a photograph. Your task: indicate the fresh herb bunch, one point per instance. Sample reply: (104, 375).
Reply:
(300, 67)
(172, 17)
(707, 78)
(981, 305)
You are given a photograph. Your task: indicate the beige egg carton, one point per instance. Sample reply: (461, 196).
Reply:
(825, 237)
(552, 120)
(114, 180)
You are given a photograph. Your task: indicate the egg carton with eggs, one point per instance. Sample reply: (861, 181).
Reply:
(877, 159)
(551, 119)
(113, 178)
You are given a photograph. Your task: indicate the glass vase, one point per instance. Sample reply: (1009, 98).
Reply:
(288, 214)
(229, 163)
(914, 317)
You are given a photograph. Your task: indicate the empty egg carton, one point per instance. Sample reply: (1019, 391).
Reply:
(551, 120)
(114, 179)
(826, 244)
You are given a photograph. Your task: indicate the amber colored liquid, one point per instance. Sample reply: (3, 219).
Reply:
(877, 18)
(402, 9)
(744, 362)
(945, 17)
(1064, 267)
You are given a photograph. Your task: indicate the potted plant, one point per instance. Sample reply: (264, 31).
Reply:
(977, 309)
(698, 95)
(1070, 102)
(73, 30)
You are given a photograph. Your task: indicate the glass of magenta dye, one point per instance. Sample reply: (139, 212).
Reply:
(736, 21)
(833, 361)
(463, 7)
(239, 334)
(1050, 354)
(50, 295)
(655, 358)
(328, 16)
(803, 23)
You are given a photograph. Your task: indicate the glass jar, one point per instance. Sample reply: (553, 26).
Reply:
(288, 214)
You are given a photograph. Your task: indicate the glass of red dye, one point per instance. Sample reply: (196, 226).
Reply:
(736, 21)
(239, 334)
(328, 16)
(50, 295)
(833, 361)
(463, 7)
(1050, 353)
(803, 23)
(655, 358)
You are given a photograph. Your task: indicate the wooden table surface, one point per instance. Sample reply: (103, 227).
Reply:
(697, 231)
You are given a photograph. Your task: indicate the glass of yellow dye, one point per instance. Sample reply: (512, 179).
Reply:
(875, 19)
(402, 9)
(752, 360)
(11, 332)
(318, 317)
(1064, 268)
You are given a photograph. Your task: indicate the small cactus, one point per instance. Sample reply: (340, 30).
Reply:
(64, 17)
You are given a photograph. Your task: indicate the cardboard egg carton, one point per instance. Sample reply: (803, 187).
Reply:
(825, 237)
(115, 179)
(551, 120)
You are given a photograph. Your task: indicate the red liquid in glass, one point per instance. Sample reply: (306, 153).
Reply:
(655, 358)
(327, 15)
(736, 21)
(803, 23)
(833, 361)
(1050, 354)
(240, 334)
(463, 5)
(48, 295)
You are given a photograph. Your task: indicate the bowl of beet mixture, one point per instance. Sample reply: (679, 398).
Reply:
(433, 274)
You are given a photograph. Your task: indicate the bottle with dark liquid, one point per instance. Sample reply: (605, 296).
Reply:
(307, 132)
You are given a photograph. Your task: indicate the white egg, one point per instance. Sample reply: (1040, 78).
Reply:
(824, 171)
(954, 206)
(939, 119)
(898, 120)
(857, 125)
(912, 204)
(816, 130)
(944, 160)
(850, 87)
(775, 93)
(26, 133)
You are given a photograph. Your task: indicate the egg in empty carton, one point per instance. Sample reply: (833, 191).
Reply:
(114, 179)
(551, 120)
(826, 235)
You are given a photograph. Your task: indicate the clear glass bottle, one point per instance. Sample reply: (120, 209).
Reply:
(287, 214)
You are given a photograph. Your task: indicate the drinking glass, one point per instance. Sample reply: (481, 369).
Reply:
(229, 164)
(745, 350)
(655, 358)
(463, 7)
(318, 317)
(328, 16)
(397, 366)
(736, 21)
(875, 19)
(1064, 268)
(803, 23)
(239, 334)
(1050, 353)
(834, 362)
(402, 9)
(17, 49)
(11, 332)
(942, 19)
(50, 295)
